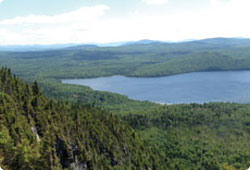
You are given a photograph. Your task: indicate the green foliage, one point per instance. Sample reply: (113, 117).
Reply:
(115, 103)
(36, 133)
(159, 59)
(194, 136)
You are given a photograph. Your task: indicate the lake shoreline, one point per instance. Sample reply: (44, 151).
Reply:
(142, 76)
(197, 87)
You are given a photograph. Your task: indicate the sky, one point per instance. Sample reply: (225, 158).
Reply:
(25, 22)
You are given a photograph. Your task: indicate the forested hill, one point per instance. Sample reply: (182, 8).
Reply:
(136, 59)
(150, 59)
(37, 133)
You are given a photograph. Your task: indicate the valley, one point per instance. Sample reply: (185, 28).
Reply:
(207, 134)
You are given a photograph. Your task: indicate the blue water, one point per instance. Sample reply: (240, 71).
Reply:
(228, 86)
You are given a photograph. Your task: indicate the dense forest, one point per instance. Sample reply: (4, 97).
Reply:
(152, 59)
(37, 133)
(142, 60)
(198, 136)
(61, 126)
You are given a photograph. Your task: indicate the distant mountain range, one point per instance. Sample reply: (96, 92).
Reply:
(218, 40)
(145, 41)
(34, 47)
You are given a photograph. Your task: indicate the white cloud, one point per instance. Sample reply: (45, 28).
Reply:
(227, 19)
(155, 2)
(82, 14)
(90, 24)
(1, 1)
(43, 29)
(219, 3)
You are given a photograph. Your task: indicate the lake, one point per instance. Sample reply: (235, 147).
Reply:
(199, 87)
